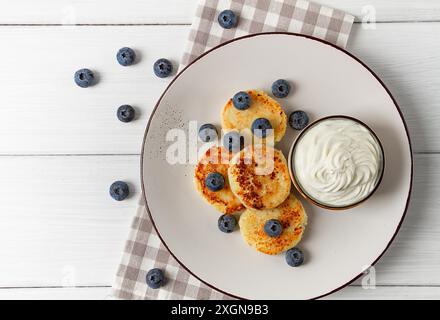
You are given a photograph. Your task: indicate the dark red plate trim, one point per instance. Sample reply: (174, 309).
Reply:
(295, 35)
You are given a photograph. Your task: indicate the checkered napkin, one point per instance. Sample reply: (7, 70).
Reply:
(257, 16)
(143, 249)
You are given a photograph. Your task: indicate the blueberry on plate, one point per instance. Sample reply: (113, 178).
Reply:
(241, 100)
(163, 68)
(227, 19)
(125, 113)
(119, 190)
(294, 257)
(215, 181)
(227, 223)
(155, 278)
(280, 88)
(84, 78)
(273, 228)
(208, 132)
(298, 120)
(233, 141)
(261, 127)
(126, 56)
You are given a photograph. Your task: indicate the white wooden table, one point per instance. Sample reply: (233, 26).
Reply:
(61, 235)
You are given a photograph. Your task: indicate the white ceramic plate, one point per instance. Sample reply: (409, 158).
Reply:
(338, 245)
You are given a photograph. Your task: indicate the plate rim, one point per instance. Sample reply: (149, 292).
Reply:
(351, 55)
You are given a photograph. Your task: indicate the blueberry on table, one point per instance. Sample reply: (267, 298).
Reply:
(163, 68)
(233, 141)
(227, 223)
(260, 127)
(155, 278)
(207, 132)
(215, 181)
(298, 120)
(241, 100)
(273, 228)
(280, 88)
(125, 113)
(84, 78)
(126, 56)
(119, 190)
(294, 257)
(227, 19)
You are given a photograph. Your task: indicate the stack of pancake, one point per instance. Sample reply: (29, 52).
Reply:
(256, 178)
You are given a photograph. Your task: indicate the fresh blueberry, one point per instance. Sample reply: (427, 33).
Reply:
(233, 141)
(294, 257)
(227, 223)
(215, 181)
(241, 100)
(125, 113)
(84, 78)
(298, 120)
(119, 190)
(163, 68)
(280, 88)
(260, 127)
(126, 56)
(227, 19)
(273, 228)
(155, 278)
(208, 132)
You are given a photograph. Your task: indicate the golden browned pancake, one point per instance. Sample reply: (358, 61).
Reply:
(262, 106)
(216, 159)
(293, 218)
(259, 177)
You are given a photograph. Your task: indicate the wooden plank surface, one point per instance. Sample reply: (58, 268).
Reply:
(387, 293)
(82, 293)
(48, 114)
(58, 223)
(412, 259)
(181, 11)
(99, 293)
(59, 227)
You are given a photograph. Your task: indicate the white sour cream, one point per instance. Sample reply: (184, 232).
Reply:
(338, 162)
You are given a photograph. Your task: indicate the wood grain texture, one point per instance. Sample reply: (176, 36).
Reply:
(412, 258)
(405, 57)
(58, 225)
(99, 293)
(181, 11)
(87, 293)
(48, 114)
(387, 293)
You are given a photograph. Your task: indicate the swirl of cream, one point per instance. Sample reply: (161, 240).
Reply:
(338, 162)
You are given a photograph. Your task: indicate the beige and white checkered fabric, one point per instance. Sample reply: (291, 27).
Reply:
(255, 16)
(144, 249)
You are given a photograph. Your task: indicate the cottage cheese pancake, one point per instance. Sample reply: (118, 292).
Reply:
(338, 162)
(262, 106)
(216, 160)
(292, 217)
(259, 177)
